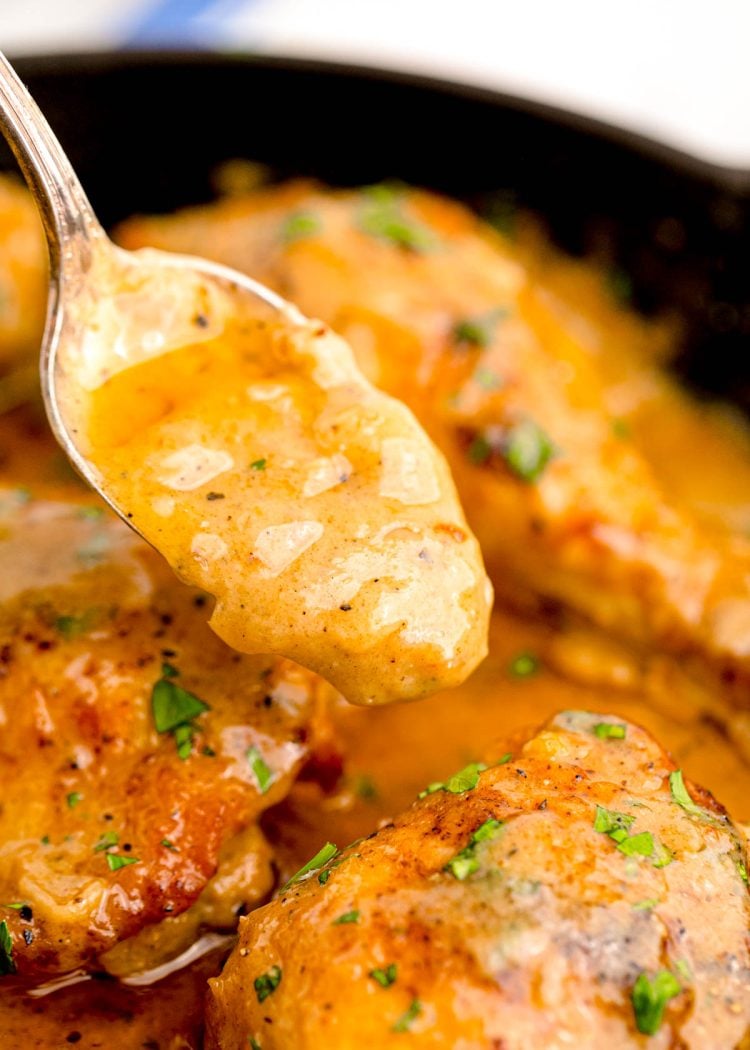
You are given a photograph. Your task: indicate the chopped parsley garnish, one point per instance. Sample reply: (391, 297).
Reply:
(324, 854)
(173, 706)
(465, 780)
(681, 796)
(347, 918)
(299, 225)
(646, 905)
(73, 799)
(72, 626)
(382, 216)
(528, 450)
(117, 861)
(7, 966)
(183, 738)
(650, 997)
(466, 862)
(479, 450)
(487, 379)
(263, 774)
(617, 825)
(365, 788)
(16, 905)
(608, 731)
(91, 513)
(267, 983)
(385, 978)
(609, 822)
(641, 845)
(742, 869)
(477, 331)
(174, 709)
(407, 1018)
(169, 845)
(258, 464)
(106, 841)
(254, 1044)
(524, 665)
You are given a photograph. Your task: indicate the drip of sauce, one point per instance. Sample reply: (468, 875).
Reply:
(271, 474)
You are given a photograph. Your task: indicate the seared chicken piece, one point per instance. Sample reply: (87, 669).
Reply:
(576, 893)
(137, 750)
(559, 426)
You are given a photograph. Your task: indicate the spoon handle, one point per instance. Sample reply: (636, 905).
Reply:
(68, 218)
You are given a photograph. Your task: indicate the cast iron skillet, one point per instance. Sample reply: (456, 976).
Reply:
(146, 130)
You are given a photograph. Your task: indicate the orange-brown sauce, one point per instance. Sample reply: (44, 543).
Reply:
(376, 761)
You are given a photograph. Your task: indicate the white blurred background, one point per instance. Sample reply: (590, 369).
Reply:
(677, 70)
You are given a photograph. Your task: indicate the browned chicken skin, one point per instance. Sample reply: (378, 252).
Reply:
(574, 895)
(137, 750)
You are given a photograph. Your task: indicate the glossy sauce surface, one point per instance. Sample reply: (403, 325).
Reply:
(271, 474)
(369, 764)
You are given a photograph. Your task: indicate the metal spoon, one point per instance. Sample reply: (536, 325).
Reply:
(88, 326)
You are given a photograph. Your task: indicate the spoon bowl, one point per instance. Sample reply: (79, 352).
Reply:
(93, 329)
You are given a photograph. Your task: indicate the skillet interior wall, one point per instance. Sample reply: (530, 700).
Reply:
(146, 130)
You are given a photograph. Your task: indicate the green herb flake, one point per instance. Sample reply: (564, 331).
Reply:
(365, 788)
(608, 731)
(7, 965)
(681, 796)
(384, 977)
(299, 225)
(258, 464)
(479, 450)
(465, 780)
(742, 869)
(173, 706)
(621, 429)
(169, 845)
(476, 331)
(73, 799)
(466, 862)
(324, 877)
(323, 856)
(183, 738)
(263, 774)
(528, 450)
(346, 919)
(254, 1044)
(16, 905)
(117, 861)
(382, 217)
(91, 513)
(106, 841)
(72, 626)
(646, 905)
(267, 983)
(405, 1021)
(641, 845)
(650, 997)
(524, 665)
(609, 822)
(169, 671)
(44, 840)
(487, 379)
